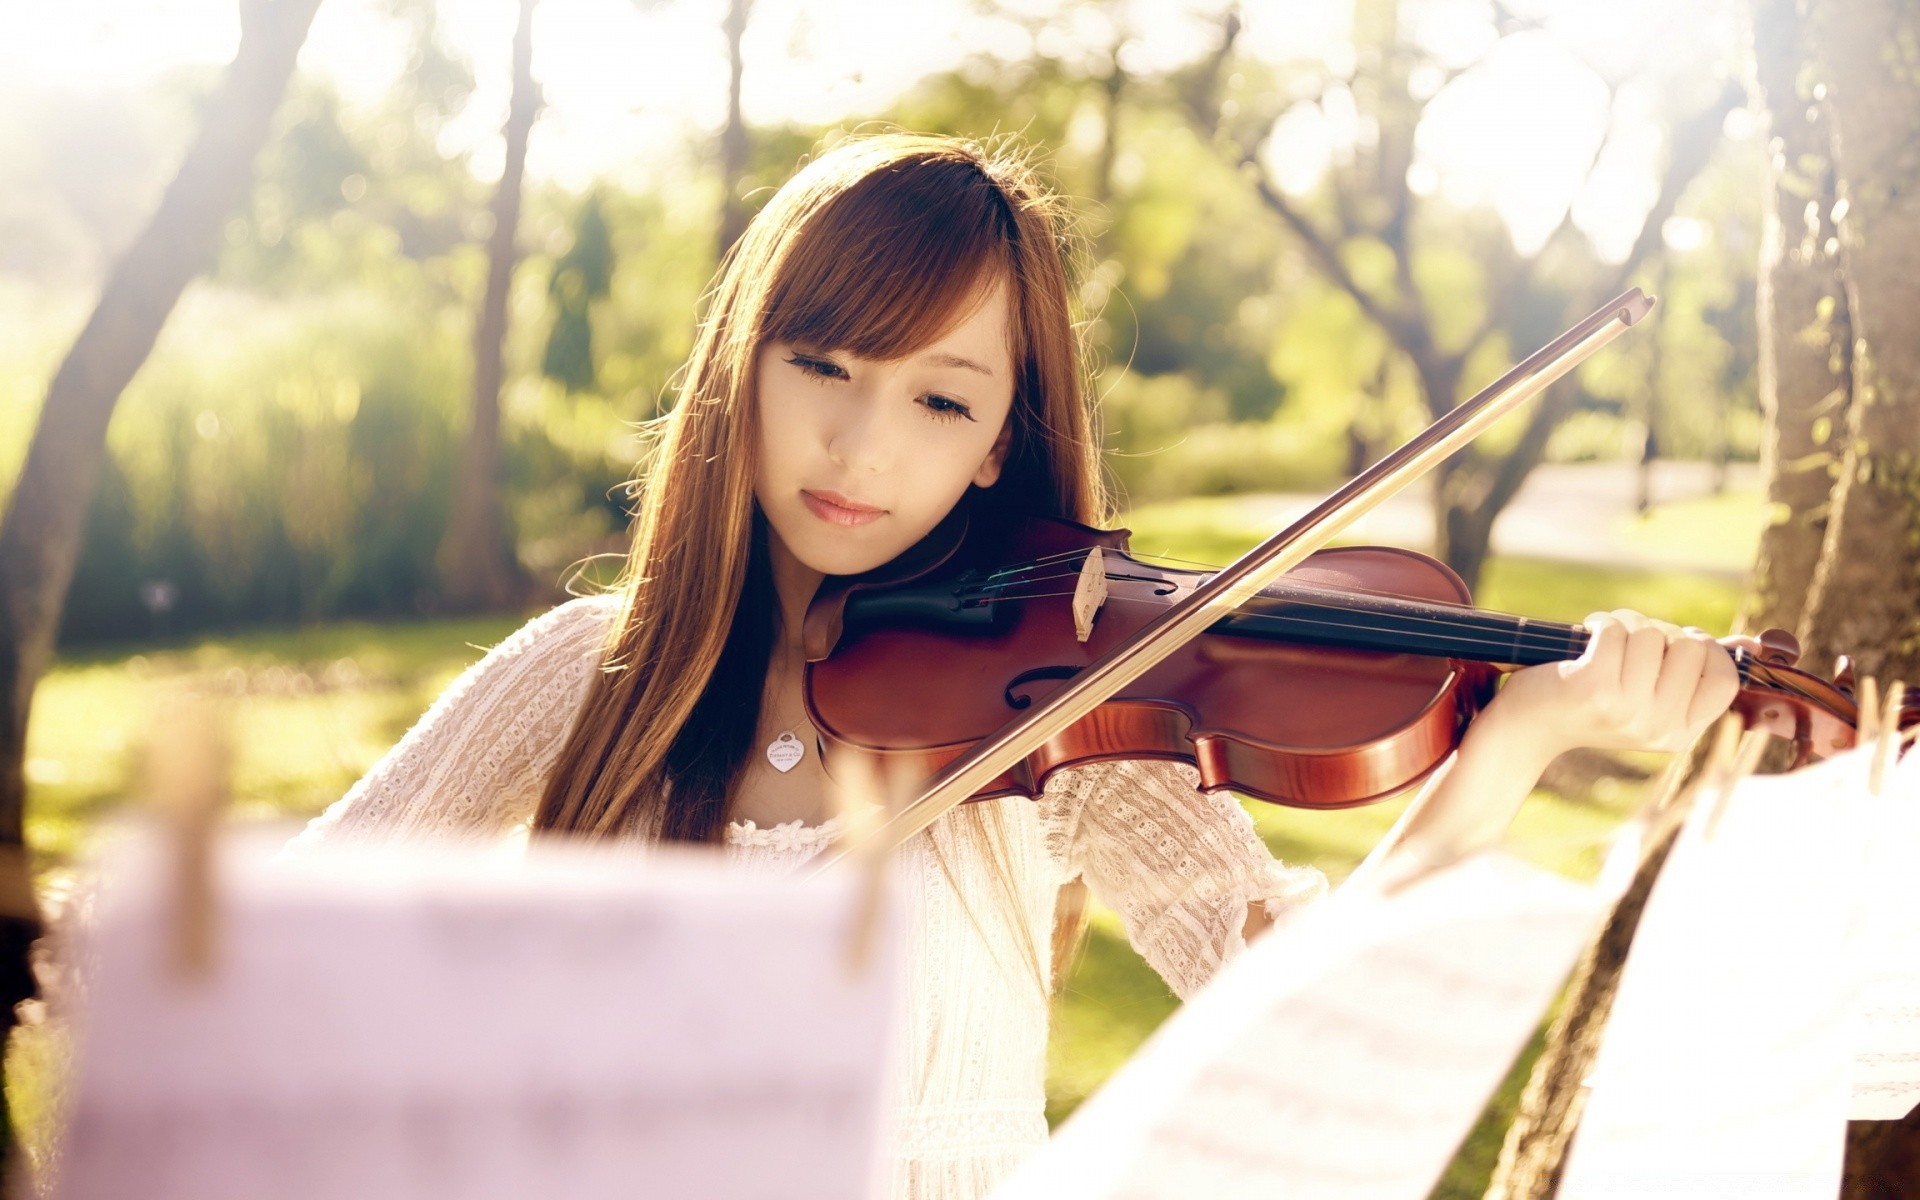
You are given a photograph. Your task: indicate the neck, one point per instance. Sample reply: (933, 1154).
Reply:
(794, 584)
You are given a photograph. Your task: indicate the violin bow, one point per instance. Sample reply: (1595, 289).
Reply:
(1241, 581)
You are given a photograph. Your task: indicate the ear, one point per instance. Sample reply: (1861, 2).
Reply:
(989, 472)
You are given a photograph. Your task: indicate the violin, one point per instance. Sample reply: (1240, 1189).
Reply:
(982, 660)
(1346, 682)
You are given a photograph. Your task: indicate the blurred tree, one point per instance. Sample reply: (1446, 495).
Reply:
(1865, 598)
(1371, 246)
(478, 567)
(734, 148)
(341, 187)
(1865, 590)
(1806, 338)
(40, 532)
(581, 276)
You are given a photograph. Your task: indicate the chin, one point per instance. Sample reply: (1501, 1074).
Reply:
(831, 555)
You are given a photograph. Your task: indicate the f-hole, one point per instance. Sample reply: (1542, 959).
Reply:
(1021, 702)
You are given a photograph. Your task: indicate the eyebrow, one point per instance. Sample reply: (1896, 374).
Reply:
(954, 360)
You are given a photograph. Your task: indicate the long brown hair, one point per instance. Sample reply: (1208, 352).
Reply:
(871, 248)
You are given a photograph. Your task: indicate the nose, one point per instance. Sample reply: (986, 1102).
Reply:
(859, 441)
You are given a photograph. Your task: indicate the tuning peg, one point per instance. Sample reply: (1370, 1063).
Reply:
(1779, 647)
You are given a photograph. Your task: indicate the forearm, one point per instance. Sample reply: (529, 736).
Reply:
(1464, 806)
(1638, 685)
(1467, 803)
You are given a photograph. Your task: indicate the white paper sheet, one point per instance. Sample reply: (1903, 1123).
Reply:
(1725, 1069)
(588, 1024)
(1341, 1058)
(1886, 1064)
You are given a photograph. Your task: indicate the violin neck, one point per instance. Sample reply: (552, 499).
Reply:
(1391, 623)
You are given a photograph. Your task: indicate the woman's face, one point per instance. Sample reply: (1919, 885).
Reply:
(860, 458)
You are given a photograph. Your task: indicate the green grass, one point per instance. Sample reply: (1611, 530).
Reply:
(311, 710)
(1719, 532)
(315, 707)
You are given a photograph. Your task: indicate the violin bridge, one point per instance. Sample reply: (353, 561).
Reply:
(1089, 593)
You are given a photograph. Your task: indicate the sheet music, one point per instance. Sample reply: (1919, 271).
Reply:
(1343, 1057)
(1725, 1069)
(387, 1025)
(1886, 1064)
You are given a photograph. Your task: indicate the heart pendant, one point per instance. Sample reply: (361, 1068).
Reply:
(785, 752)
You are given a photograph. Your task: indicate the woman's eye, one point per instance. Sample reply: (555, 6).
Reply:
(817, 368)
(947, 409)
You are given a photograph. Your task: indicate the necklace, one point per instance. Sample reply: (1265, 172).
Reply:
(786, 751)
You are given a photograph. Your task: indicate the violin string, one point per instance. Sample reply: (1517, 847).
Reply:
(1565, 638)
(1500, 626)
(1292, 584)
(1558, 640)
(1543, 644)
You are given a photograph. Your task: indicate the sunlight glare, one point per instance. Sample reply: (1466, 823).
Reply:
(1517, 132)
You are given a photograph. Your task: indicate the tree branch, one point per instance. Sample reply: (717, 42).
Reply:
(1326, 256)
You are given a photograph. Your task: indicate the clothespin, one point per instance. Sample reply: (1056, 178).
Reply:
(1888, 739)
(1736, 752)
(187, 777)
(1089, 593)
(860, 798)
(1648, 825)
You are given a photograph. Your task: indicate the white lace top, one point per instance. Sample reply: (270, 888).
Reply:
(1179, 866)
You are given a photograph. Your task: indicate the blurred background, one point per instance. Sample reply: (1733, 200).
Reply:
(393, 413)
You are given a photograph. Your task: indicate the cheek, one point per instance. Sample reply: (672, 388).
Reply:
(780, 423)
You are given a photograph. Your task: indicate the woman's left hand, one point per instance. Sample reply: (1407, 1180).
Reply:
(1641, 684)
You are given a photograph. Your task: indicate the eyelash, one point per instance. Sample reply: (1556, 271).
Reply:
(818, 370)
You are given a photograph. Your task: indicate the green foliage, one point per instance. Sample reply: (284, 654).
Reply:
(286, 453)
(301, 469)
(1161, 455)
(581, 276)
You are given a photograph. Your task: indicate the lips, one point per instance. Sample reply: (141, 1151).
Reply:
(836, 509)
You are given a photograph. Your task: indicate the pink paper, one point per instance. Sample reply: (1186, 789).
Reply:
(392, 1024)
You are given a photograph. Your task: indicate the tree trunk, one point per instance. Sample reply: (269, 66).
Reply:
(1649, 405)
(1806, 339)
(479, 570)
(40, 534)
(733, 138)
(1866, 590)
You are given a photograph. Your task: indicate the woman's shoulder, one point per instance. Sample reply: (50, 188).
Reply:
(581, 621)
(551, 655)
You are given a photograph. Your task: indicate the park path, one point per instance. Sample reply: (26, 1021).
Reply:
(1571, 512)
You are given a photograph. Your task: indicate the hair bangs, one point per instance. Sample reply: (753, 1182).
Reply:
(894, 261)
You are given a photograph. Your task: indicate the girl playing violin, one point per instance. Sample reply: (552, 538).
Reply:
(892, 337)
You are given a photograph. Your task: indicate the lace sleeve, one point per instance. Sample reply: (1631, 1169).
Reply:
(1179, 865)
(474, 763)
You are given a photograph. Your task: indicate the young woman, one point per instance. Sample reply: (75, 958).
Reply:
(892, 337)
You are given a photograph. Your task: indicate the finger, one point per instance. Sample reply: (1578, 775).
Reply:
(1646, 649)
(1606, 641)
(1681, 672)
(1719, 685)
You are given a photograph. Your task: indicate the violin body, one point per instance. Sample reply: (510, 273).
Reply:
(1309, 726)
